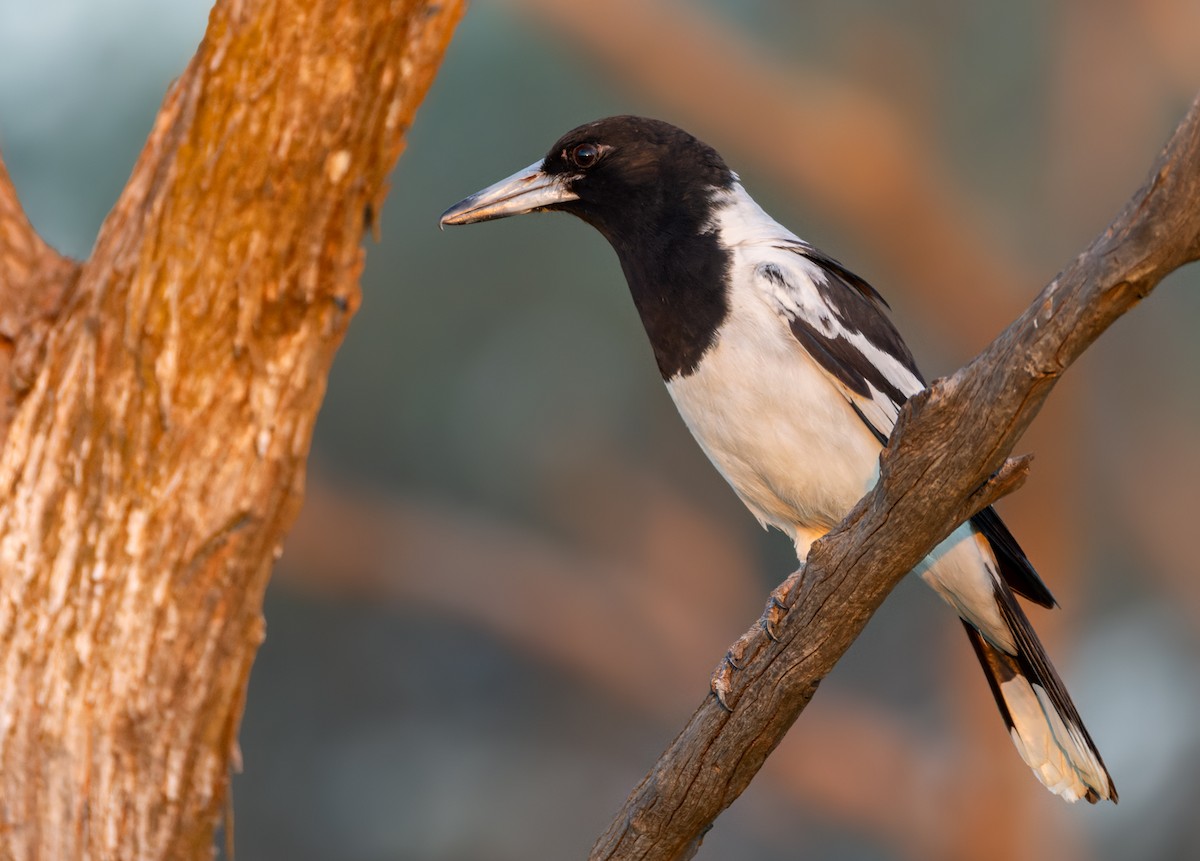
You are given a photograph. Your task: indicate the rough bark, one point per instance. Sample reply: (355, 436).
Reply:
(159, 400)
(34, 279)
(946, 459)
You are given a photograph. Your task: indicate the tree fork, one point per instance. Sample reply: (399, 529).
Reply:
(159, 403)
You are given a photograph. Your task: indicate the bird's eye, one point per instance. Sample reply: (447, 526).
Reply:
(584, 155)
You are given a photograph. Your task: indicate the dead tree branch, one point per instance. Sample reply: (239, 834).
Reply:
(948, 457)
(160, 399)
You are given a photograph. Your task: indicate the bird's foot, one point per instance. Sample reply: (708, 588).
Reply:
(722, 677)
(779, 604)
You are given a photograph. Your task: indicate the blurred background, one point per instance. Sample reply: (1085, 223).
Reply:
(515, 572)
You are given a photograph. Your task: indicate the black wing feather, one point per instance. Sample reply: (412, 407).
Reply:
(835, 355)
(859, 306)
(858, 309)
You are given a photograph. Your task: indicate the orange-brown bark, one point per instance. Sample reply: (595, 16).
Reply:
(159, 420)
(33, 281)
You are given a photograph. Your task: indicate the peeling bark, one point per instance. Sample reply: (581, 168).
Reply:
(160, 399)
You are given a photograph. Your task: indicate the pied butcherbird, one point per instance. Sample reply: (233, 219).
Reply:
(786, 369)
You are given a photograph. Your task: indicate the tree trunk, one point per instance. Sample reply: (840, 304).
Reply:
(158, 404)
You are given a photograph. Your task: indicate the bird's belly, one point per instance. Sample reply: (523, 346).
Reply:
(778, 430)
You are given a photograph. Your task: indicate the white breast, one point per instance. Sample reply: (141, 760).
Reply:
(773, 424)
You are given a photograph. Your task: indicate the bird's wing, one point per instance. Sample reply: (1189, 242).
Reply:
(841, 321)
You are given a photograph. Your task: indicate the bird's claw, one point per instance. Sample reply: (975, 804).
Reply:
(734, 660)
(772, 616)
(779, 604)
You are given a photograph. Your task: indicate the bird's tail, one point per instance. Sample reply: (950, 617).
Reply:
(1042, 720)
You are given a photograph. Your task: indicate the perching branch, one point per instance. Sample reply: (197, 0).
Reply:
(947, 459)
(158, 405)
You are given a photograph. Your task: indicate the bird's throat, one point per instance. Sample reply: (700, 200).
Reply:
(680, 287)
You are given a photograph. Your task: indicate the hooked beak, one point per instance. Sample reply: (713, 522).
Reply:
(526, 190)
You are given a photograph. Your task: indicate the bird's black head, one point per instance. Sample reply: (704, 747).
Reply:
(636, 175)
(627, 176)
(649, 187)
